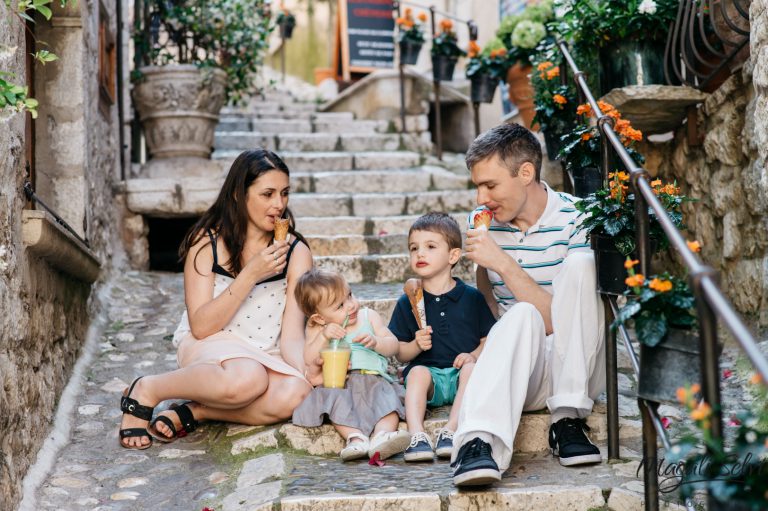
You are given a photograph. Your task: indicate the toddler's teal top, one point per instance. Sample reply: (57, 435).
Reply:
(362, 358)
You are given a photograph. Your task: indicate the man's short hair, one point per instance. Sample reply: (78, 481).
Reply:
(511, 143)
(439, 223)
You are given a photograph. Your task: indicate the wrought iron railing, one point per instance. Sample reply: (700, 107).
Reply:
(29, 191)
(711, 305)
(707, 38)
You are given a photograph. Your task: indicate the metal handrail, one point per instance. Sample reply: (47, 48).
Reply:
(32, 196)
(710, 302)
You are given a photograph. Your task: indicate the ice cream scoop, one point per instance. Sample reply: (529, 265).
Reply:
(415, 292)
(281, 229)
(483, 219)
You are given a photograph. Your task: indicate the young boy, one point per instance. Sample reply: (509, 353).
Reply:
(442, 354)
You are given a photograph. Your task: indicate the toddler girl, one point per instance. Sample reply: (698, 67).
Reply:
(370, 402)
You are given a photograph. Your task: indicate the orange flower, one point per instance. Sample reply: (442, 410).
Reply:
(682, 395)
(694, 246)
(446, 25)
(633, 134)
(559, 99)
(584, 109)
(695, 388)
(670, 189)
(702, 412)
(635, 280)
(630, 263)
(422, 17)
(553, 73)
(500, 52)
(400, 21)
(755, 379)
(622, 176)
(473, 50)
(585, 136)
(408, 12)
(662, 286)
(544, 66)
(656, 183)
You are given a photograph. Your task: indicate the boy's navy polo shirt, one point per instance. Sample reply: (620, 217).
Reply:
(459, 319)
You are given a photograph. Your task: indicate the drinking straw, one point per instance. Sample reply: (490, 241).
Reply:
(335, 342)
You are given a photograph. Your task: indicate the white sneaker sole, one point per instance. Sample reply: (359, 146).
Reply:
(444, 453)
(394, 445)
(480, 477)
(419, 456)
(353, 454)
(581, 460)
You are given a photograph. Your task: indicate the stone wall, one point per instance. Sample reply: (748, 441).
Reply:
(46, 310)
(727, 173)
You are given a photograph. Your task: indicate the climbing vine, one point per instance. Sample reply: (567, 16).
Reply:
(14, 96)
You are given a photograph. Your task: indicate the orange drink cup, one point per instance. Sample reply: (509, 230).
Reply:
(335, 363)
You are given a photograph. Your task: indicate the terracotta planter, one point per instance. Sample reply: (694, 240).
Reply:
(322, 74)
(521, 92)
(178, 106)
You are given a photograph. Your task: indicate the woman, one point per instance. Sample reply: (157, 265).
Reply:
(241, 339)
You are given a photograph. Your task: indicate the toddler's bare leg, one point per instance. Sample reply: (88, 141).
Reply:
(419, 387)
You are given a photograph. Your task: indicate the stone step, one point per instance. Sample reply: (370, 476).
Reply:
(381, 268)
(238, 137)
(358, 244)
(363, 181)
(274, 125)
(360, 225)
(335, 160)
(381, 204)
(380, 297)
(242, 140)
(344, 126)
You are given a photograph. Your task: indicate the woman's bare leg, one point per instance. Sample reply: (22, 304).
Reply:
(232, 385)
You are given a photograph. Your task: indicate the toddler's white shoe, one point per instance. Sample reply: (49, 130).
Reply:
(389, 443)
(355, 450)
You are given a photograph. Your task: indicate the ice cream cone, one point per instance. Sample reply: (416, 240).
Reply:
(413, 289)
(483, 219)
(281, 229)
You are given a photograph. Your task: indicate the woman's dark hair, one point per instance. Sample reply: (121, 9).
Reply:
(227, 218)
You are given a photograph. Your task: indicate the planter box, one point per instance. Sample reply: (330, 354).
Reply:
(671, 364)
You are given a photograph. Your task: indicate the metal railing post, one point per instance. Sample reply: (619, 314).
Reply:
(650, 458)
(436, 91)
(396, 6)
(611, 383)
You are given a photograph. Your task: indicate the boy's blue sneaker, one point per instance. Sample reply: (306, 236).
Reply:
(444, 443)
(420, 448)
(474, 465)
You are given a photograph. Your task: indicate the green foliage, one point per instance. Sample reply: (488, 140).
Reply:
(15, 96)
(555, 103)
(659, 303)
(522, 33)
(284, 17)
(492, 60)
(611, 211)
(411, 29)
(227, 34)
(446, 44)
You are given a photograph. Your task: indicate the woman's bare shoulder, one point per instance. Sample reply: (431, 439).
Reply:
(200, 255)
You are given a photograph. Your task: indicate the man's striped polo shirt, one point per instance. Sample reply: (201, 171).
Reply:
(540, 250)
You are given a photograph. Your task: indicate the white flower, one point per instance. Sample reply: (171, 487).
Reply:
(750, 437)
(647, 7)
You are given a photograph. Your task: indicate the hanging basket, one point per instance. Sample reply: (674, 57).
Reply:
(609, 263)
(286, 30)
(585, 181)
(442, 68)
(483, 88)
(671, 364)
(631, 63)
(409, 52)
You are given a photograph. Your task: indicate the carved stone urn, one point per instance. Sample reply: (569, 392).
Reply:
(179, 106)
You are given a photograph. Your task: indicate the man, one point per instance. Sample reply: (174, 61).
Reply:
(538, 274)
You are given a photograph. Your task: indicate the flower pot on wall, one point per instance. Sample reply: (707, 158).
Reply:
(631, 63)
(671, 364)
(179, 106)
(442, 67)
(483, 88)
(521, 92)
(409, 52)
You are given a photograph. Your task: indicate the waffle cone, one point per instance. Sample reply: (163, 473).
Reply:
(413, 289)
(281, 229)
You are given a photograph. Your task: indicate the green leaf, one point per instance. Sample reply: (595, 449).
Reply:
(650, 328)
(625, 313)
(45, 11)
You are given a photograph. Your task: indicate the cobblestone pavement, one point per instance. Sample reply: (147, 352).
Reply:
(225, 466)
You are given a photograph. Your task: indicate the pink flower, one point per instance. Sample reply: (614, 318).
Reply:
(727, 373)
(383, 232)
(733, 421)
(666, 422)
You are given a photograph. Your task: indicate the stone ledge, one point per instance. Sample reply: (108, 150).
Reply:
(654, 108)
(45, 238)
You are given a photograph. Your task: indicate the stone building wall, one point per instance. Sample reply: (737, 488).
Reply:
(727, 174)
(46, 310)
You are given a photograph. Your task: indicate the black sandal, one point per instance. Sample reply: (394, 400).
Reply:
(132, 407)
(187, 419)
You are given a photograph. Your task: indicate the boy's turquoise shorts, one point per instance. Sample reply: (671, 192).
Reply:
(446, 383)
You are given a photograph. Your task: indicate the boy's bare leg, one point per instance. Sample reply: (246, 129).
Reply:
(418, 388)
(453, 418)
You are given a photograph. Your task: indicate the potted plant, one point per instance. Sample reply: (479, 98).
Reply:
(410, 36)
(521, 34)
(485, 69)
(445, 52)
(581, 148)
(555, 106)
(627, 36)
(287, 22)
(733, 469)
(660, 307)
(609, 221)
(197, 55)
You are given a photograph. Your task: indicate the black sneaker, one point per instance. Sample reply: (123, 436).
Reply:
(420, 448)
(568, 440)
(444, 443)
(474, 465)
